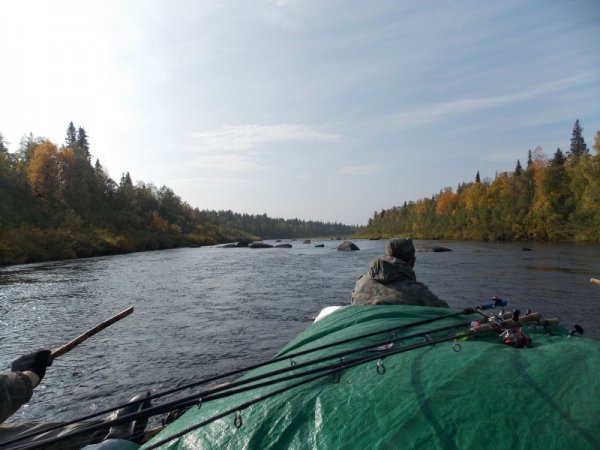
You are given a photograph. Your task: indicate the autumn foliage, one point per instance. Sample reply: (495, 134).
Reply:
(56, 204)
(552, 199)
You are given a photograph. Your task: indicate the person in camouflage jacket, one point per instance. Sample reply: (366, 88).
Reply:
(391, 280)
(16, 387)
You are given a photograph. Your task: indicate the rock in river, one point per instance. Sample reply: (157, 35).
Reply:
(259, 245)
(347, 246)
(433, 248)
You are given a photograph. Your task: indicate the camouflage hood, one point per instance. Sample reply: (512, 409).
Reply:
(387, 269)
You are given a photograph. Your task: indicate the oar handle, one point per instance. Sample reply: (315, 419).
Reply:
(595, 281)
(78, 340)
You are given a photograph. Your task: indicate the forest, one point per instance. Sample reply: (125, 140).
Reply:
(56, 204)
(552, 198)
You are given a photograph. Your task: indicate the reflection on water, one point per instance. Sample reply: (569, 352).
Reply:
(205, 311)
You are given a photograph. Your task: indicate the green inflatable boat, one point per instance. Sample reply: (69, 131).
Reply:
(407, 377)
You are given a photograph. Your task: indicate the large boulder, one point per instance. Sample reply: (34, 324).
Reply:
(347, 246)
(244, 243)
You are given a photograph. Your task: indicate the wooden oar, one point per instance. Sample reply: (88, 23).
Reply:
(78, 340)
(595, 281)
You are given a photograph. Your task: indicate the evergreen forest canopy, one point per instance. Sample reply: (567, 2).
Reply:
(552, 199)
(56, 204)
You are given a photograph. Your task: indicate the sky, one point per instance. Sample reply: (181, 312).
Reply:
(312, 109)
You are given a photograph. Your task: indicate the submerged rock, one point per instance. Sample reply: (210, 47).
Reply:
(320, 245)
(259, 245)
(283, 246)
(241, 244)
(433, 248)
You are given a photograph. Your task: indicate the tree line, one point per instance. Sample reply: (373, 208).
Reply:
(552, 198)
(262, 225)
(56, 204)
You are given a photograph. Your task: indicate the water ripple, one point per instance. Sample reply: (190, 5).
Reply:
(204, 311)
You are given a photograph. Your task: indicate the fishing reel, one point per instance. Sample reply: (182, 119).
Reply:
(515, 338)
(577, 329)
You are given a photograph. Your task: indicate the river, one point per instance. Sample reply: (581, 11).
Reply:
(204, 311)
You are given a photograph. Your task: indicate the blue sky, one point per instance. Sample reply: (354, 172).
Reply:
(325, 110)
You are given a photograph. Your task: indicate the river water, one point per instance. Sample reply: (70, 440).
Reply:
(205, 311)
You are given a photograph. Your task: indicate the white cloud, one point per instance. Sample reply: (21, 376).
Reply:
(211, 182)
(240, 147)
(232, 161)
(441, 110)
(361, 170)
(253, 136)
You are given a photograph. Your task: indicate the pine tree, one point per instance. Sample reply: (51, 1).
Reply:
(529, 159)
(578, 146)
(477, 178)
(71, 137)
(518, 168)
(3, 147)
(82, 142)
(126, 180)
(559, 158)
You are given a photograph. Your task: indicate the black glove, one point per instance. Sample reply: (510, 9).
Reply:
(36, 362)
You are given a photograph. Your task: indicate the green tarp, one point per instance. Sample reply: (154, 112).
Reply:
(486, 396)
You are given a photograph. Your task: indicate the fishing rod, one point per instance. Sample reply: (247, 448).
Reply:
(203, 397)
(228, 390)
(173, 405)
(332, 369)
(186, 401)
(213, 394)
(326, 371)
(496, 302)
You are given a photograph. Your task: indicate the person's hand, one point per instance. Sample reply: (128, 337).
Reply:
(35, 362)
